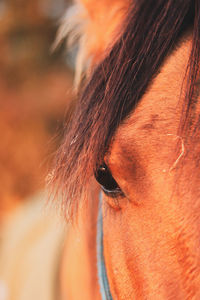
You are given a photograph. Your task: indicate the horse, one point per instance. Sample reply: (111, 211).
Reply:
(128, 168)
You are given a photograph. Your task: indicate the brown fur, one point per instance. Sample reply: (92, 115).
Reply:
(151, 242)
(139, 98)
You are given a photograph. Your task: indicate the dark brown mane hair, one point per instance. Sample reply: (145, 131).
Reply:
(151, 30)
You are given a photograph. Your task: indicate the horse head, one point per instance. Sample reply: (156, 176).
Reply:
(136, 130)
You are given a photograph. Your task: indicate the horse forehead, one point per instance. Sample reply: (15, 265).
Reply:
(158, 112)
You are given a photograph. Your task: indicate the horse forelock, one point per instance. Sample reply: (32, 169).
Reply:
(116, 85)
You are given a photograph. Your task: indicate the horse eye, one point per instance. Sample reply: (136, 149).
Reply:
(107, 182)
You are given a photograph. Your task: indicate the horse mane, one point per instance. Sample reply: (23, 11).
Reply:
(150, 32)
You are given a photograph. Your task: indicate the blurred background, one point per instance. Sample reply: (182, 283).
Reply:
(35, 91)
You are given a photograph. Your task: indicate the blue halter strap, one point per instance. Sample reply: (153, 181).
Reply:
(102, 275)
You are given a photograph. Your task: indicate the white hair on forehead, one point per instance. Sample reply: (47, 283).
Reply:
(72, 29)
(92, 32)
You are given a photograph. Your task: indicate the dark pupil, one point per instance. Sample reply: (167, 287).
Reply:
(106, 180)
